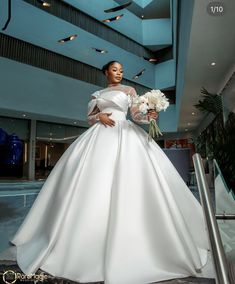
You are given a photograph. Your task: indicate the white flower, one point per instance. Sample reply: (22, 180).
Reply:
(143, 108)
(156, 100)
(143, 99)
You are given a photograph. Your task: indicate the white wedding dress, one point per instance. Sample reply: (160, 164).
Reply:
(114, 208)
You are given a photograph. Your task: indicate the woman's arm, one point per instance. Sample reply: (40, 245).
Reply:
(136, 115)
(94, 114)
(93, 111)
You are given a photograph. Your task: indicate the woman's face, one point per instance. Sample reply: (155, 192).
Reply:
(114, 73)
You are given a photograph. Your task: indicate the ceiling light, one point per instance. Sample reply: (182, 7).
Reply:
(72, 37)
(150, 59)
(113, 19)
(193, 113)
(75, 122)
(100, 50)
(24, 115)
(118, 8)
(119, 17)
(142, 16)
(189, 123)
(139, 74)
(213, 63)
(186, 129)
(44, 3)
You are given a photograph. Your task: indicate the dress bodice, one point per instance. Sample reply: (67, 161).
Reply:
(117, 100)
(114, 101)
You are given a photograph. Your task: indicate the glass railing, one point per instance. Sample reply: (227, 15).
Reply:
(225, 215)
(223, 264)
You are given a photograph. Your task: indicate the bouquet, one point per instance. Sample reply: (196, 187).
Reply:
(153, 100)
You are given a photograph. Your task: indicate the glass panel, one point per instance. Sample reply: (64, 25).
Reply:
(225, 204)
(52, 140)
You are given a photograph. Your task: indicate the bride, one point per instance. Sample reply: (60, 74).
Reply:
(114, 208)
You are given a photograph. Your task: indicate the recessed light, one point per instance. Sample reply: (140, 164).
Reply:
(72, 37)
(193, 113)
(142, 16)
(113, 19)
(44, 3)
(139, 74)
(75, 122)
(118, 8)
(150, 59)
(100, 50)
(24, 115)
(213, 63)
(119, 17)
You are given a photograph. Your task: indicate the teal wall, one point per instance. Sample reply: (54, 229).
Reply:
(186, 13)
(165, 74)
(157, 32)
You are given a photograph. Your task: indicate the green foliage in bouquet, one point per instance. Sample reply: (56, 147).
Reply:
(154, 129)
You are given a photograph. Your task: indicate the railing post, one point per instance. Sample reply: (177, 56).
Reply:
(217, 249)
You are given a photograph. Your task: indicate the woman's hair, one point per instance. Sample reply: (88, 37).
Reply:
(107, 65)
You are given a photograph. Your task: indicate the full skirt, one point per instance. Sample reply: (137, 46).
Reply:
(114, 209)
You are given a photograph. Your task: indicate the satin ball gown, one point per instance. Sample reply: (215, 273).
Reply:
(114, 208)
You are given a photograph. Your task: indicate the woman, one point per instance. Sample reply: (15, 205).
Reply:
(114, 208)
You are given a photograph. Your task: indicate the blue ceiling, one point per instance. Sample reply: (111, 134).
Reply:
(37, 25)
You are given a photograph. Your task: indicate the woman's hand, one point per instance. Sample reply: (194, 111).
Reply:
(152, 114)
(105, 120)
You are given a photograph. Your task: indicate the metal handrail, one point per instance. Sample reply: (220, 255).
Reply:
(225, 216)
(217, 250)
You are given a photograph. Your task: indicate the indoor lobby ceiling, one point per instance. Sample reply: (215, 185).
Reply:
(179, 35)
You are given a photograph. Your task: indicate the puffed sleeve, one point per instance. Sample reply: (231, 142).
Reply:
(93, 110)
(136, 115)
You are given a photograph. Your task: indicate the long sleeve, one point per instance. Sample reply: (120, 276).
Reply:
(93, 110)
(136, 114)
